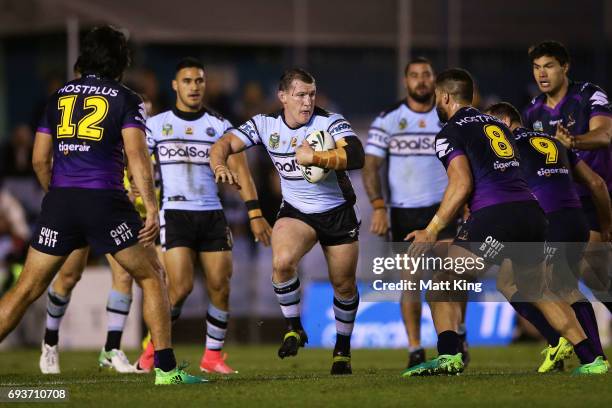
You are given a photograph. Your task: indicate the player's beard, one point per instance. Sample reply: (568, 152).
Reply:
(420, 97)
(441, 114)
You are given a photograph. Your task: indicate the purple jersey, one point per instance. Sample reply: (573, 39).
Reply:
(582, 102)
(547, 167)
(492, 154)
(85, 118)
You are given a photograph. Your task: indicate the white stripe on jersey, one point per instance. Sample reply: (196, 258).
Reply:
(182, 149)
(281, 141)
(407, 139)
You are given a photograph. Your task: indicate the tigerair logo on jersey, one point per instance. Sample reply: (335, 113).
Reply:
(66, 148)
(502, 166)
(183, 152)
(287, 167)
(549, 172)
(274, 141)
(415, 144)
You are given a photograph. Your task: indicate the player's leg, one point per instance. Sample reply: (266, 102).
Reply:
(57, 302)
(291, 240)
(342, 267)
(35, 278)
(217, 266)
(117, 310)
(595, 268)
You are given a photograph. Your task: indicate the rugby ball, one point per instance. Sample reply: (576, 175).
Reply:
(320, 141)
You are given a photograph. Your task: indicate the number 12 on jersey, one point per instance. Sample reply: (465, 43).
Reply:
(87, 127)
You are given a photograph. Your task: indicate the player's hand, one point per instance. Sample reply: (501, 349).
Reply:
(422, 241)
(224, 175)
(563, 136)
(380, 222)
(261, 230)
(304, 154)
(148, 233)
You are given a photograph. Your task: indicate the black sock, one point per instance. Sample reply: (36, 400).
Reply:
(534, 316)
(343, 344)
(51, 337)
(295, 323)
(113, 340)
(608, 305)
(448, 342)
(586, 316)
(165, 360)
(584, 351)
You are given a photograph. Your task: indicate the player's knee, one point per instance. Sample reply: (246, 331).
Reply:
(123, 282)
(283, 266)
(220, 286)
(345, 289)
(181, 290)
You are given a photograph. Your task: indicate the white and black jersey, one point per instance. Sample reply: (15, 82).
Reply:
(280, 140)
(406, 139)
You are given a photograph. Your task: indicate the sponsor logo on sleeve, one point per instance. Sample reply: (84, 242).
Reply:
(339, 127)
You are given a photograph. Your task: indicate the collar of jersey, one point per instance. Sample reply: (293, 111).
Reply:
(190, 116)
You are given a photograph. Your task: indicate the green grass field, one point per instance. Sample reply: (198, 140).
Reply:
(497, 377)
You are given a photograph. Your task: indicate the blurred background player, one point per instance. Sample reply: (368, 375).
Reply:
(579, 115)
(404, 136)
(323, 212)
(87, 127)
(117, 309)
(548, 168)
(482, 167)
(193, 225)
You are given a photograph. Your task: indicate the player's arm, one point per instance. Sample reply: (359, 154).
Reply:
(237, 163)
(457, 191)
(141, 169)
(348, 155)
(228, 144)
(42, 158)
(371, 181)
(598, 136)
(601, 197)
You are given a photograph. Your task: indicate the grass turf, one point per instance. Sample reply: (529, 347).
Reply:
(496, 377)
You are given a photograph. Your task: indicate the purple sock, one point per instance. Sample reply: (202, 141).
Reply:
(584, 351)
(586, 316)
(533, 315)
(165, 359)
(448, 342)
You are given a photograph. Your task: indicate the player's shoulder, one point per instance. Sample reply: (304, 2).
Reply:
(128, 92)
(536, 102)
(213, 115)
(392, 109)
(585, 88)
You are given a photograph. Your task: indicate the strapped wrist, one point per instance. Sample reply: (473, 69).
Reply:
(378, 204)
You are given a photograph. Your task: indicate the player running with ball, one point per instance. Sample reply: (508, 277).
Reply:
(322, 212)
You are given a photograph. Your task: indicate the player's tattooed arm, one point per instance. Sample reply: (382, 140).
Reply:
(220, 152)
(371, 181)
(601, 197)
(42, 158)
(238, 165)
(457, 191)
(141, 169)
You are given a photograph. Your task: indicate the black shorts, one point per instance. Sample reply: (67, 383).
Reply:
(568, 233)
(337, 226)
(406, 220)
(202, 231)
(495, 233)
(590, 211)
(73, 218)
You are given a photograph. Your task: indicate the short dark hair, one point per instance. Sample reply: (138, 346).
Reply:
(189, 62)
(292, 74)
(505, 110)
(550, 49)
(417, 60)
(458, 83)
(104, 51)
